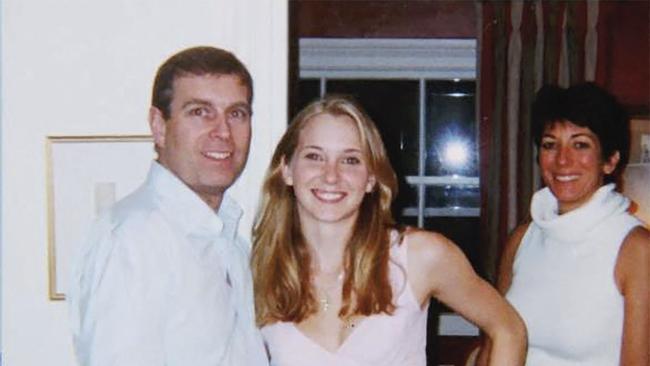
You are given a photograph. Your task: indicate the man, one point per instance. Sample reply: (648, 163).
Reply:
(163, 278)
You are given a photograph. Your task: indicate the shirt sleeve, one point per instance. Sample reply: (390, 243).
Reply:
(114, 284)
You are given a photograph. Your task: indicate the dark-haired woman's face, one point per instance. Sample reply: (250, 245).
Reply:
(571, 163)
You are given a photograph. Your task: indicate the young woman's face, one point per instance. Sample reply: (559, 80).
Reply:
(328, 171)
(571, 163)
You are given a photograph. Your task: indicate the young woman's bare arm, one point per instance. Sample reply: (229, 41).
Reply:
(438, 268)
(504, 279)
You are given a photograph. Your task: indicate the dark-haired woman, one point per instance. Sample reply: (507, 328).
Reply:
(579, 273)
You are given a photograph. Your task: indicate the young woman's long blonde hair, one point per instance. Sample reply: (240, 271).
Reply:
(281, 262)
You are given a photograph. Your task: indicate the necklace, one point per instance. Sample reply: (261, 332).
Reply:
(323, 292)
(349, 323)
(324, 301)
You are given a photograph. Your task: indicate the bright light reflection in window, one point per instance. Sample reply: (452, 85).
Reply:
(456, 154)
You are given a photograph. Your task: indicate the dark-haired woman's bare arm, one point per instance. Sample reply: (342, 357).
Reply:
(633, 279)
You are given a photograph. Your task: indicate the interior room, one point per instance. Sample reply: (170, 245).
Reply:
(449, 84)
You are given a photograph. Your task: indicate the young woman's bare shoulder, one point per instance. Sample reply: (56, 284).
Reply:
(429, 247)
(433, 262)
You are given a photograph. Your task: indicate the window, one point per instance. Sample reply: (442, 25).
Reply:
(421, 95)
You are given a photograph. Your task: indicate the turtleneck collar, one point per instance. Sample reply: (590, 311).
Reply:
(576, 224)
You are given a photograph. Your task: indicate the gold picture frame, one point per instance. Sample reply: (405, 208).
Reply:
(85, 175)
(640, 140)
(636, 178)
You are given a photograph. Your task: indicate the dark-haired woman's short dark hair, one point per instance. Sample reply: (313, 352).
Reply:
(586, 105)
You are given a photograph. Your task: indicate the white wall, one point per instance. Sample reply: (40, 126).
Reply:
(78, 67)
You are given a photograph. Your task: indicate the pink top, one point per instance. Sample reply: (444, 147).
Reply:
(390, 340)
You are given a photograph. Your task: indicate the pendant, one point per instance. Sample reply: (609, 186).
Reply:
(325, 302)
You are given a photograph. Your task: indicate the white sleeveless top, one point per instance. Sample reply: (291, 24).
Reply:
(563, 281)
(379, 340)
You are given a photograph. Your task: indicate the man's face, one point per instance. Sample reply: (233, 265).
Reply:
(205, 141)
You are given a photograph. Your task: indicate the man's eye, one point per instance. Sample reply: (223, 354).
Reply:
(239, 114)
(198, 112)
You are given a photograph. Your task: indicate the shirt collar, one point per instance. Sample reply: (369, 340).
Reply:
(229, 214)
(188, 209)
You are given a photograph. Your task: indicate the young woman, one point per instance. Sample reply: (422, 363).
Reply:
(579, 273)
(336, 281)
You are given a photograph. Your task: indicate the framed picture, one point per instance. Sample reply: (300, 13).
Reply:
(640, 141)
(85, 176)
(636, 179)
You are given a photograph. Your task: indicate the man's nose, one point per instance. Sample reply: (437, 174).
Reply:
(219, 127)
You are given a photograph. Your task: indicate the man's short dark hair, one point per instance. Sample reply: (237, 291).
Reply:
(585, 105)
(198, 61)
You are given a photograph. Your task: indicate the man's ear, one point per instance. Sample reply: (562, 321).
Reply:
(286, 172)
(158, 126)
(610, 164)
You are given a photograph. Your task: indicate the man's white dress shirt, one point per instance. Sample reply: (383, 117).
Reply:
(163, 280)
